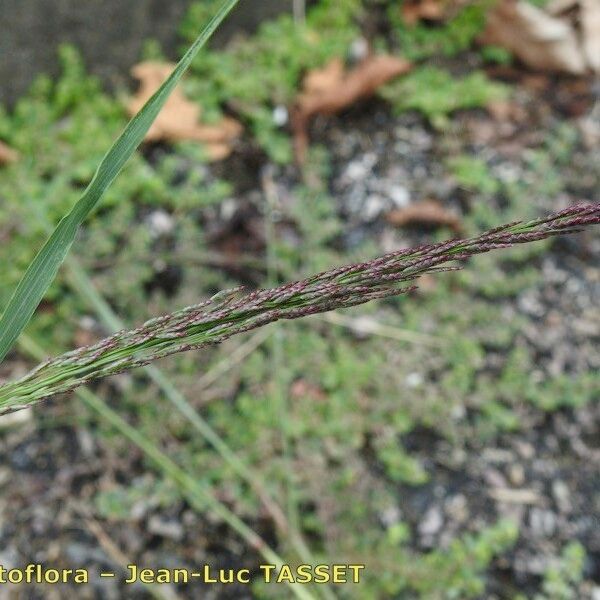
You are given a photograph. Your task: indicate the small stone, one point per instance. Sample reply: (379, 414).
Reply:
(457, 508)
(542, 522)
(497, 456)
(516, 474)
(359, 169)
(525, 449)
(228, 207)
(16, 419)
(359, 49)
(400, 196)
(164, 528)
(160, 223)
(9, 558)
(5, 475)
(88, 323)
(414, 380)
(390, 515)
(280, 115)
(458, 412)
(432, 522)
(562, 496)
(356, 170)
(596, 593)
(494, 478)
(374, 205)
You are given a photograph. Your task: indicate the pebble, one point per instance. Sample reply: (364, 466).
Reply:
(280, 115)
(516, 474)
(5, 475)
(373, 206)
(160, 223)
(390, 515)
(359, 49)
(360, 168)
(432, 522)
(88, 323)
(525, 449)
(562, 495)
(542, 522)
(414, 380)
(399, 195)
(494, 478)
(165, 528)
(457, 508)
(16, 419)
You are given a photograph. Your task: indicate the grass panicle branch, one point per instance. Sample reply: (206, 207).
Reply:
(231, 312)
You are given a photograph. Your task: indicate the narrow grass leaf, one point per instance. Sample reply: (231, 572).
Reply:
(44, 267)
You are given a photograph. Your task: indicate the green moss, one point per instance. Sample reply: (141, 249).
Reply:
(281, 51)
(561, 579)
(473, 174)
(63, 129)
(456, 35)
(458, 569)
(436, 93)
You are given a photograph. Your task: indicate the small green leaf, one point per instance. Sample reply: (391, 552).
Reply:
(44, 267)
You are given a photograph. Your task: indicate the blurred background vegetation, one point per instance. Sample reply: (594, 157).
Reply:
(447, 440)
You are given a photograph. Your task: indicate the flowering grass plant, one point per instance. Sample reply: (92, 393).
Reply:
(231, 312)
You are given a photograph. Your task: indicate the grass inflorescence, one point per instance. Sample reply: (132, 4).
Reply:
(232, 312)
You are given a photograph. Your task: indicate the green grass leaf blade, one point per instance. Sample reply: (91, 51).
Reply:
(44, 267)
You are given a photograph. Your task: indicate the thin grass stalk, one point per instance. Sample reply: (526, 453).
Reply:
(198, 496)
(82, 284)
(278, 375)
(281, 385)
(231, 312)
(85, 288)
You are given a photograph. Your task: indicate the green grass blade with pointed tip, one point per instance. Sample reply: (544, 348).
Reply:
(44, 267)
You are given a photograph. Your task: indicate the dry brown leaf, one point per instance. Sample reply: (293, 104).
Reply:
(304, 389)
(565, 37)
(590, 30)
(506, 111)
(425, 212)
(7, 154)
(560, 8)
(179, 119)
(320, 81)
(414, 11)
(329, 90)
(538, 39)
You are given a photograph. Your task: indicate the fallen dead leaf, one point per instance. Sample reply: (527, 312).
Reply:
(435, 11)
(179, 119)
(590, 29)
(305, 389)
(7, 154)
(505, 111)
(425, 212)
(563, 38)
(329, 90)
(414, 11)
